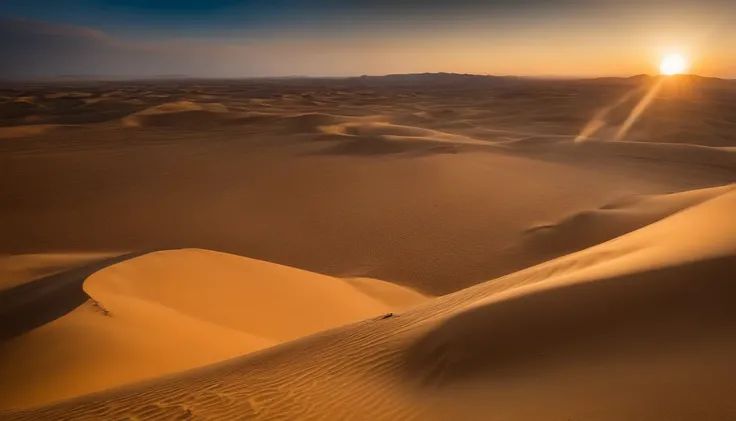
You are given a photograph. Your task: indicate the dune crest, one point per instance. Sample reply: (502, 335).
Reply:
(169, 311)
(178, 114)
(634, 310)
(261, 298)
(591, 227)
(18, 269)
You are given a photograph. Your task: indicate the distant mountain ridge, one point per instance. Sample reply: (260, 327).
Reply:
(436, 78)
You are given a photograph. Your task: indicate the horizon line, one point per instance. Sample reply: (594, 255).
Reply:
(173, 77)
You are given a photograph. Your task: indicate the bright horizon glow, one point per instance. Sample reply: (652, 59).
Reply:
(338, 38)
(673, 64)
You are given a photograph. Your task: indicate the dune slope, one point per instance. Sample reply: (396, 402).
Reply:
(433, 186)
(637, 328)
(18, 269)
(590, 227)
(169, 311)
(611, 257)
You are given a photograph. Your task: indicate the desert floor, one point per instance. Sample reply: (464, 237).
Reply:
(429, 247)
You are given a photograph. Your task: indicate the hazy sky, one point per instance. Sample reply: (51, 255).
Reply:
(241, 38)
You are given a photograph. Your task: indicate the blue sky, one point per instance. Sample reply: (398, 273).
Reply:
(131, 18)
(340, 37)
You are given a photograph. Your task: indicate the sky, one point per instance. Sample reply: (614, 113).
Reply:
(256, 38)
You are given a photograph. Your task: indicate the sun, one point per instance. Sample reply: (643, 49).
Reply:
(673, 64)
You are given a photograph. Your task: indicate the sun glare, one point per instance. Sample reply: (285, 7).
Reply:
(673, 64)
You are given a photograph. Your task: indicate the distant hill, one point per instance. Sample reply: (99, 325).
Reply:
(437, 78)
(464, 78)
(698, 80)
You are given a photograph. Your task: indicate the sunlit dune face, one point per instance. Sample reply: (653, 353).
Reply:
(673, 64)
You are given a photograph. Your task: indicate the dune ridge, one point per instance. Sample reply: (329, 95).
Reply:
(18, 269)
(168, 311)
(180, 113)
(631, 308)
(590, 227)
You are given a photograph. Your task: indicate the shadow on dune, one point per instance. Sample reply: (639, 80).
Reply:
(38, 302)
(648, 313)
(373, 146)
(64, 112)
(380, 145)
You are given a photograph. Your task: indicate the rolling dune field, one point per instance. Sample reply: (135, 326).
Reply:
(428, 247)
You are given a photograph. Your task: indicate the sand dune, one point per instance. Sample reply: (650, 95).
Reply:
(381, 220)
(500, 160)
(95, 347)
(18, 269)
(169, 311)
(393, 295)
(265, 299)
(591, 227)
(28, 131)
(425, 247)
(181, 113)
(584, 336)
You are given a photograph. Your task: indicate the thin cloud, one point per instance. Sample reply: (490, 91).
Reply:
(22, 26)
(34, 49)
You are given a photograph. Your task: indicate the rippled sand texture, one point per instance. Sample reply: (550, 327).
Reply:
(429, 247)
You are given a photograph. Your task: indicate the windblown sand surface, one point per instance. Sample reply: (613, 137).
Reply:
(19, 269)
(172, 310)
(424, 247)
